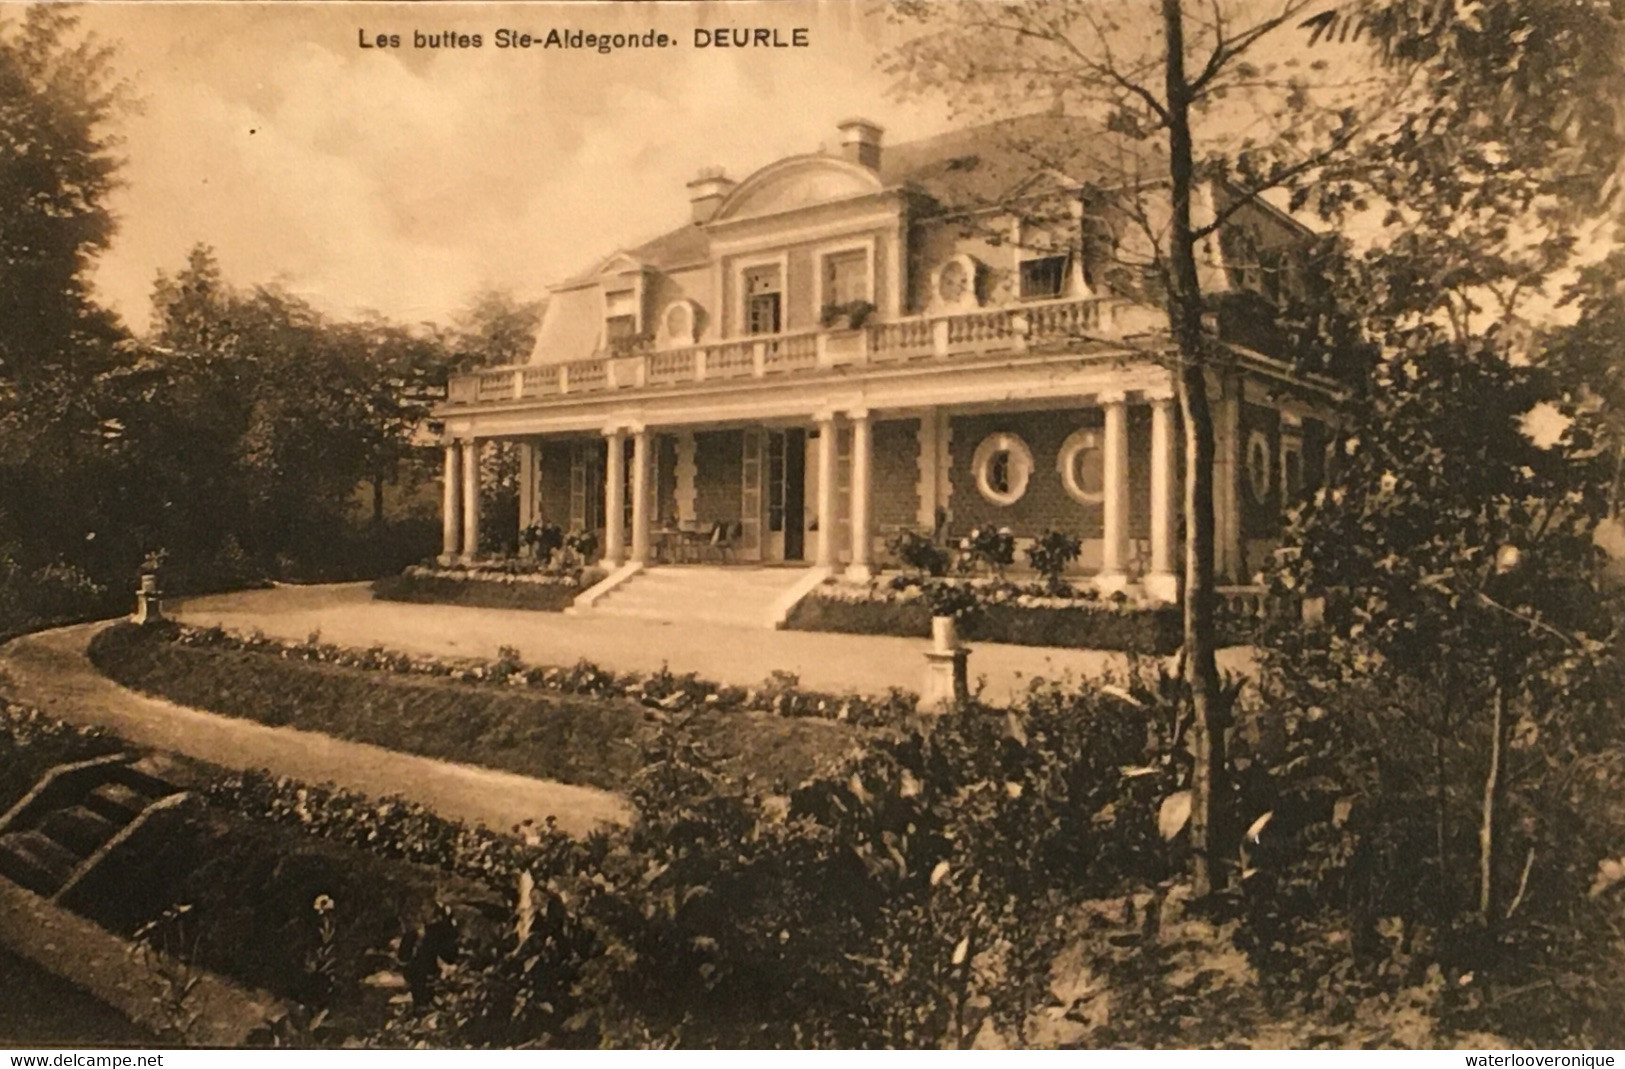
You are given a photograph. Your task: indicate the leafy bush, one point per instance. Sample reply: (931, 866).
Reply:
(422, 586)
(957, 600)
(918, 552)
(1007, 612)
(542, 540)
(1051, 555)
(988, 549)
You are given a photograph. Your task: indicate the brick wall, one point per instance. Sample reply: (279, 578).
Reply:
(896, 474)
(717, 456)
(1046, 502)
(553, 486)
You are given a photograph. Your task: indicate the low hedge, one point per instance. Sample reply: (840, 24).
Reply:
(476, 593)
(1153, 631)
(476, 717)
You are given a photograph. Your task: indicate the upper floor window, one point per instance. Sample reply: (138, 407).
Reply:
(764, 300)
(620, 316)
(846, 277)
(1043, 276)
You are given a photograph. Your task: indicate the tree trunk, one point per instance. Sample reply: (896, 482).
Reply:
(1185, 321)
(377, 499)
(1494, 793)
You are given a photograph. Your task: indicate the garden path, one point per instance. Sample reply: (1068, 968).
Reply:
(50, 670)
(347, 615)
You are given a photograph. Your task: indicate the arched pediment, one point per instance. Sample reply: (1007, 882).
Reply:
(797, 182)
(619, 263)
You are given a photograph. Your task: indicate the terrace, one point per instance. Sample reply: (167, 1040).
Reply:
(966, 335)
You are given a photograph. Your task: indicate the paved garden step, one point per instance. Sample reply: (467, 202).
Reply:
(33, 860)
(118, 802)
(733, 597)
(79, 828)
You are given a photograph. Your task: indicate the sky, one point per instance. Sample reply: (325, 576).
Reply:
(403, 180)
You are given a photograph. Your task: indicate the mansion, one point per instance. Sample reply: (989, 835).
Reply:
(842, 345)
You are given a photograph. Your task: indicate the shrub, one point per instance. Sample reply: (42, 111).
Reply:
(1051, 555)
(957, 600)
(918, 552)
(543, 540)
(987, 548)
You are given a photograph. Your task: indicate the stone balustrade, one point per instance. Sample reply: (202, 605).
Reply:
(1013, 329)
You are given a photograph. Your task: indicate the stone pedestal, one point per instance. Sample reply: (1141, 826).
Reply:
(947, 668)
(149, 601)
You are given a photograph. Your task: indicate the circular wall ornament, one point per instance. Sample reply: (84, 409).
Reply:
(1082, 464)
(1002, 465)
(1258, 466)
(679, 321)
(955, 284)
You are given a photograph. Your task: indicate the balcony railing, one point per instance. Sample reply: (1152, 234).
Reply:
(1015, 329)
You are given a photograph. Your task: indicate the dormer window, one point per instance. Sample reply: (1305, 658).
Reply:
(1043, 277)
(764, 300)
(620, 316)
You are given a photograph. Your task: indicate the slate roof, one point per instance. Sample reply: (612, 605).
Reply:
(968, 168)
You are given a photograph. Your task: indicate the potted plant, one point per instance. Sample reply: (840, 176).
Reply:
(849, 315)
(950, 603)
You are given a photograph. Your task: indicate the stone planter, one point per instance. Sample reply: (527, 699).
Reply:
(944, 633)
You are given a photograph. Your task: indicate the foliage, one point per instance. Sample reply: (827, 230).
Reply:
(918, 552)
(989, 549)
(1026, 614)
(1051, 555)
(542, 540)
(848, 316)
(1449, 734)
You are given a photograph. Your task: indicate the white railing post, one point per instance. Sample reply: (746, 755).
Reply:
(758, 357)
(939, 337)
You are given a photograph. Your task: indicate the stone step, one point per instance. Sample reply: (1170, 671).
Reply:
(79, 828)
(118, 802)
(35, 861)
(664, 615)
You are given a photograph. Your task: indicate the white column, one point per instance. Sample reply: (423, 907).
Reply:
(925, 517)
(615, 500)
(687, 474)
(1162, 580)
(1227, 488)
(471, 498)
(826, 490)
(1114, 549)
(640, 496)
(862, 481)
(527, 484)
(450, 503)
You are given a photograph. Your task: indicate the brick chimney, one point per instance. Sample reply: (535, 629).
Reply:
(860, 142)
(707, 192)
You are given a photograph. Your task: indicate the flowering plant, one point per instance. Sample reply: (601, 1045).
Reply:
(990, 549)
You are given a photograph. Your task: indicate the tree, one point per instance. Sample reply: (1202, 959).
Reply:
(496, 328)
(58, 163)
(1190, 99)
(1159, 93)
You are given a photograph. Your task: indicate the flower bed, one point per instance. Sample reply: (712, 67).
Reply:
(513, 584)
(577, 725)
(1019, 614)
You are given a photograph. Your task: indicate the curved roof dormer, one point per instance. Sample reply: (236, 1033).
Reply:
(796, 182)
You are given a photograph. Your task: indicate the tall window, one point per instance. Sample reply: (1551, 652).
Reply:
(763, 300)
(1043, 276)
(846, 277)
(620, 315)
